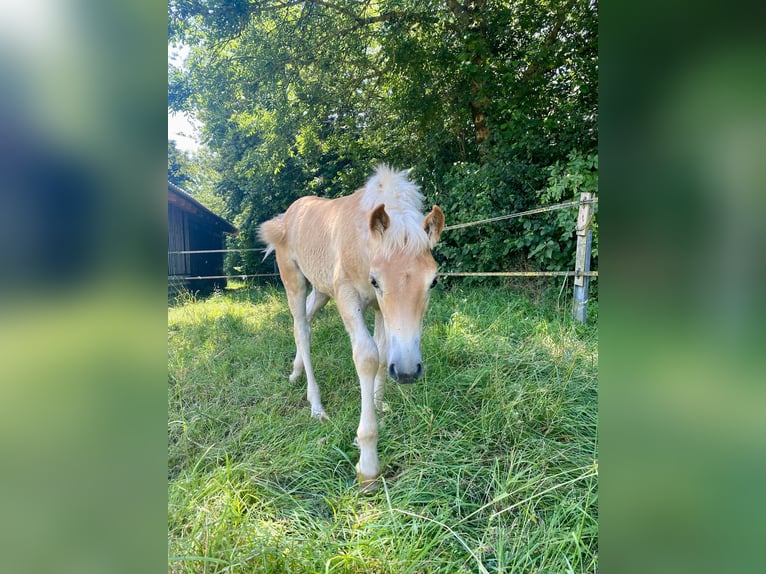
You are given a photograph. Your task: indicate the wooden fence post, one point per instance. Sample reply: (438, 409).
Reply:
(582, 258)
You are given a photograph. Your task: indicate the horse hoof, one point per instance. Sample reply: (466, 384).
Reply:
(293, 377)
(367, 485)
(321, 416)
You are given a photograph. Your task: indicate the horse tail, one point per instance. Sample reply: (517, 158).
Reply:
(273, 233)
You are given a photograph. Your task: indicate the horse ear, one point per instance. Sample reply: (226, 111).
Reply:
(434, 225)
(379, 220)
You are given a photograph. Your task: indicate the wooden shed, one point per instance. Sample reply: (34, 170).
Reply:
(193, 227)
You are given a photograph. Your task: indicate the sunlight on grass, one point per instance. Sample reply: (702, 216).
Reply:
(489, 463)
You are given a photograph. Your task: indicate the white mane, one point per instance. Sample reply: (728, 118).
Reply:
(404, 204)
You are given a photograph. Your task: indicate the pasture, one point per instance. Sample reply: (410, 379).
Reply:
(489, 461)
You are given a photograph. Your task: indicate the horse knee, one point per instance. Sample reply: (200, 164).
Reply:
(367, 435)
(366, 357)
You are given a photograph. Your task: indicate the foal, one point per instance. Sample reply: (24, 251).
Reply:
(368, 249)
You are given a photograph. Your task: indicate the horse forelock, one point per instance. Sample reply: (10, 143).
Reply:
(404, 235)
(392, 188)
(404, 204)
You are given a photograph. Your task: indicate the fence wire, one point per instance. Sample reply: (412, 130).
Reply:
(199, 277)
(215, 251)
(521, 213)
(523, 274)
(446, 274)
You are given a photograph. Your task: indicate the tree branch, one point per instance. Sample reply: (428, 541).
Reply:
(550, 39)
(359, 20)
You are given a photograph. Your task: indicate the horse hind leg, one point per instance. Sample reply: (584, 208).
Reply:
(316, 300)
(295, 286)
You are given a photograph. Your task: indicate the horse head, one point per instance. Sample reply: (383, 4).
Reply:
(402, 273)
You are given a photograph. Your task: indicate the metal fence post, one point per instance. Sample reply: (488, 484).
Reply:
(582, 258)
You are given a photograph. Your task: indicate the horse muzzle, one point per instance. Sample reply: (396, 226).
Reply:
(404, 377)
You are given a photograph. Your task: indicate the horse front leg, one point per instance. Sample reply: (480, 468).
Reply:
(366, 362)
(380, 376)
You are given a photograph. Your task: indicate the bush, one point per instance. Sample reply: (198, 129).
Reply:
(544, 241)
(549, 239)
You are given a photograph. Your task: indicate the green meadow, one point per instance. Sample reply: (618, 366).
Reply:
(490, 461)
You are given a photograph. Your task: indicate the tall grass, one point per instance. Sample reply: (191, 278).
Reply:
(489, 461)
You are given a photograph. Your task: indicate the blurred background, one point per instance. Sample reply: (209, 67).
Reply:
(82, 316)
(682, 134)
(682, 395)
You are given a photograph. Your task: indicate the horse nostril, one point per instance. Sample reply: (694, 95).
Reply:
(419, 371)
(392, 372)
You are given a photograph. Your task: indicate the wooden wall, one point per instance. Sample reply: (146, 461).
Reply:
(178, 240)
(189, 233)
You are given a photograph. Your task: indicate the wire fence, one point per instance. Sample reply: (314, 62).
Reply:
(242, 277)
(522, 213)
(199, 251)
(523, 274)
(555, 207)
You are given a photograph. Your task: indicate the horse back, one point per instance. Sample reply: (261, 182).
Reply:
(324, 237)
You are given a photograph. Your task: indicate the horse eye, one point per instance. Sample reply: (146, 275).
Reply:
(373, 282)
(434, 282)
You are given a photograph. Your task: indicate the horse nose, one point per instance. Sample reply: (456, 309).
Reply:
(405, 378)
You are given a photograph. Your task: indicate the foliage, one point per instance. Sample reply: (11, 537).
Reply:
(489, 463)
(487, 186)
(480, 97)
(179, 166)
(197, 174)
(550, 239)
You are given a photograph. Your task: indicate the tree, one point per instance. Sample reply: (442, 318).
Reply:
(481, 97)
(179, 166)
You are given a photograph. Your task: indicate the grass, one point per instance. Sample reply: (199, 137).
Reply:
(489, 461)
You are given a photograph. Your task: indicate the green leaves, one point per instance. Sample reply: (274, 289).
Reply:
(554, 233)
(179, 165)
(480, 98)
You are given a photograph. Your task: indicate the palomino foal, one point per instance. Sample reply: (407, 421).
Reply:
(368, 249)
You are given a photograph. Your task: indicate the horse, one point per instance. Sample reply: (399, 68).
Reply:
(370, 249)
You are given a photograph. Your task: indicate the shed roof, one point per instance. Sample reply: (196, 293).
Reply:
(186, 202)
